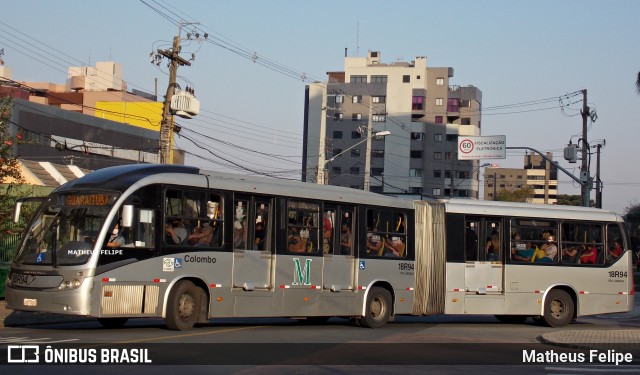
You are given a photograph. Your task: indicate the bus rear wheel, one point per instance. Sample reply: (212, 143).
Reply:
(558, 308)
(378, 309)
(184, 306)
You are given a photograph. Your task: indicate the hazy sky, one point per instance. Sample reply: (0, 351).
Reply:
(527, 53)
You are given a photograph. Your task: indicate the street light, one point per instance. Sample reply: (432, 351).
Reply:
(383, 133)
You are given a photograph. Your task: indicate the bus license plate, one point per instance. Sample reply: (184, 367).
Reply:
(31, 302)
(22, 280)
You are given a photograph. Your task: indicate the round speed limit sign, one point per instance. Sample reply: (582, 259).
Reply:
(466, 146)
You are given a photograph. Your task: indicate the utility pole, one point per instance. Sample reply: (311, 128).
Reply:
(585, 189)
(598, 180)
(166, 127)
(367, 157)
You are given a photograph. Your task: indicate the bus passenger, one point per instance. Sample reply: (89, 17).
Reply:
(259, 237)
(374, 244)
(569, 255)
(202, 235)
(394, 247)
(492, 248)
(327, 233)
(617, 251)
(550, 251)
(346, 239)
(589, 254)
(521, 252)
(297, 243)
(176, 232)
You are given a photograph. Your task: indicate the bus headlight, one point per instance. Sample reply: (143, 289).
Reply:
(70, 284)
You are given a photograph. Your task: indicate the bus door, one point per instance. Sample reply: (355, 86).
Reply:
(338, 247)
(252, 243)
(338, 272)
(484, 256)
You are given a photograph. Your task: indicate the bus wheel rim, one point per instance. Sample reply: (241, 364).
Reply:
(186, 306)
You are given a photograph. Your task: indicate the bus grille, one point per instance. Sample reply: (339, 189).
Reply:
(129, 299)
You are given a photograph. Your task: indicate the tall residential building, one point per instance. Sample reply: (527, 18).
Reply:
(538, 174)
(416, 104)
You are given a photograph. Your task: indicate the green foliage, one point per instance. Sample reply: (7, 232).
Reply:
(9, 167)
(569, 200)
(516, 195)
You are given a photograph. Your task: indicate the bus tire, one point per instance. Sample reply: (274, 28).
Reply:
(111, 323)
(558, 308)
(184, 306)
(378, 308)
(512, 319)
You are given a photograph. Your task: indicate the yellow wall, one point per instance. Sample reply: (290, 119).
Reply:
(146, 115)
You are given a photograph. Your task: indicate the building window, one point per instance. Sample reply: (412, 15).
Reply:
(356, 117)
(417, 136)
(358, 79)
(437, 137)
(452, 138)
(337, 134)
(337, 117)
(436, 191)
(437, 173)
(339, 99)
(354, 170)
(406, 78)
(378, 79)
(439, 81)
(416, 154)
(355, 134)
(463, 193)
(449, 155)
(437, 155)
(447, 173)
(377, 171)
(355, 152)
(337, 151)
(379, 118)
(417, 103)
(336, 171)
(379, 99)
(463, 174)
(439, 120)
(377, 153)
(453, 105)
(415, 190)
(356, 99)
(465, 121)
(439, 101)
(415, 172)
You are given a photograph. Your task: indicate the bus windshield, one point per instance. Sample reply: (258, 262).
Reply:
(65, 228)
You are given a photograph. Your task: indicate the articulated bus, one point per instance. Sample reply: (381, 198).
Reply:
(190, 245)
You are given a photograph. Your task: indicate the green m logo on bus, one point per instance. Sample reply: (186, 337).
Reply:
(301, 276)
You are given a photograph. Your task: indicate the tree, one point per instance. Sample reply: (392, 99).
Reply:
(638, 83)
(9, 166)
(516, 195)
(10, 175)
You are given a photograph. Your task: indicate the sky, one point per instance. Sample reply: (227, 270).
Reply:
(523, 56)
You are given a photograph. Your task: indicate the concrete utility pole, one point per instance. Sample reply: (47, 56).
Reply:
(585, 189)
(166, 127)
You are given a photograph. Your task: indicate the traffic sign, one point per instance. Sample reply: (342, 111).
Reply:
(482, 147)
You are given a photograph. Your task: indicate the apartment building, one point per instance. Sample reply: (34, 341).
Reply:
(420, 109)
(537, 173)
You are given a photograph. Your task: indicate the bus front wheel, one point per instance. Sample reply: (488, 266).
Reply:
(184, 305)
(378, 309)
(558, 308)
